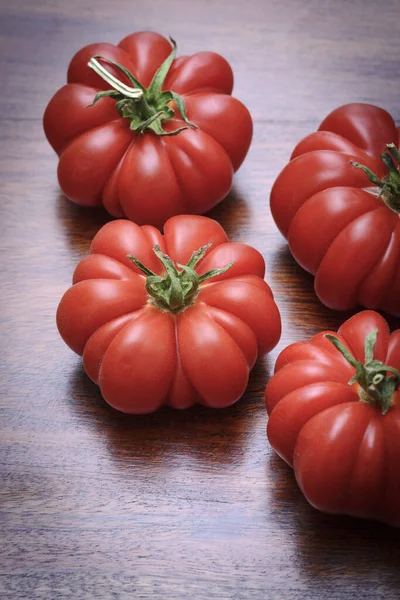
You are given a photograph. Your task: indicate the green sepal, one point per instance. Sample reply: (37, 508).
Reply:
(155, 87)
(373, 364)
(163, 99)
(394, 151)
(391, 370)
(353, 380)
(374, 385)
(157, 128)
(175, 295)
(180, 105)
(388, 389)
(370, 174)
(189, 280)
(172, 288)
(167, 112)
(166, 261)
(198, 255)
(370, 342)
(152, 287)
(153, 280)
(135, 123)
(342, 349)
(215, 272)
(173, 132)
(175, 290)
(390, 184)
(141, 266)
(140, 126)
(127, 109)
(108, 93)
(388, 162)
(169, 96)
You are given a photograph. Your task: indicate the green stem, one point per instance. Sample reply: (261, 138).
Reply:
(390, 184)
(115, 83)
(176, 290)
(375, 386)
(146, 109)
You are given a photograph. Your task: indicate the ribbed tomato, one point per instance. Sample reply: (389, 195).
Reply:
(342, 221)
(164, 140)
(342, 440)
(169, 319)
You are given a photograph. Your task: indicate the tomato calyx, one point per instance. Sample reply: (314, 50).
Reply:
(390, 184)
(176, 290)
(147, 109)
(375, 386)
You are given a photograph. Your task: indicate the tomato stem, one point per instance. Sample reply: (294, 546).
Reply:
(176, 290)
(147, 109)
(375, 386)
(390, 184)
(122, 88)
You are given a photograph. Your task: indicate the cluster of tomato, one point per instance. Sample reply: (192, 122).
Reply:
(179, 318)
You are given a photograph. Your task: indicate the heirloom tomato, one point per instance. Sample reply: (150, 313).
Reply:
(174, 319)
(338, 203)
(334, 416)
(145, 134)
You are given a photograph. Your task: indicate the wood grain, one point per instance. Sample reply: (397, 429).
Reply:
(173, 505)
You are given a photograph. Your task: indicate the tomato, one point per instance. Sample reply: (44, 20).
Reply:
(154, 332)
(164, 140)
(334, 416)
(338, 227)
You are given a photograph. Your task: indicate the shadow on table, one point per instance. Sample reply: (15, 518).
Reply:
(328, 545)
(80, 224)
(215, 436)
(233, 212)
(294, 291)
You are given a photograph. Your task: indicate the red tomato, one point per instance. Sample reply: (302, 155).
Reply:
(119, 153)
(151, 334)
(337, 227)
(342, 440)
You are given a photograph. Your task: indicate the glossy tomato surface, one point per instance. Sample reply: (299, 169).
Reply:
(143, 357)
(337, 228)
(345, 452)
(144, 177)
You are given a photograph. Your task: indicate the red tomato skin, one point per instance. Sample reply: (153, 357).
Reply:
(337, 228)
(358, 486)
(218, 115)
(139, 363)
(344, 452)
(76, 120)
(118, 297)
(143, 357)
(172, 174)
(143, 177)
(79, 180)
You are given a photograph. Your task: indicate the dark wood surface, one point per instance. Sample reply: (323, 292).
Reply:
(179, 504)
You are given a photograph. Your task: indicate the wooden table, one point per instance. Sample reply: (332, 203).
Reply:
(179, 504)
